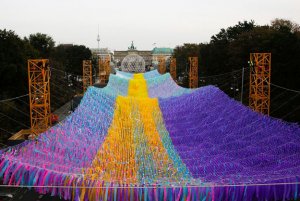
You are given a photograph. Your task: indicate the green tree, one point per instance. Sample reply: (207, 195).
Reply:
(12, 64)
(229, 50)
(69, 57)
(75, 55)
(182, 53)
(220, 59)
(13, 82)
(43, 43)
(232, 33)
(283, 24)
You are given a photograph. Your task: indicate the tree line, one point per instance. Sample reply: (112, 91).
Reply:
(14, 53)
(229, 50)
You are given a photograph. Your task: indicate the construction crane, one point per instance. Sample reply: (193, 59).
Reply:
(87, 74)
(193, 72)
(173, 68)
(104, 69)
(161, 65)
(39, 95)
(260, 81)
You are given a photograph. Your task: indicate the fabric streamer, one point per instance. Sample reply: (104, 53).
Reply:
(143, 137)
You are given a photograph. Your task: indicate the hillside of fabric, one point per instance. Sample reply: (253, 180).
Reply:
(144, 138)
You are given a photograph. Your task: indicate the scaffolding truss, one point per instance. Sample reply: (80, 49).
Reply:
(161, 64)
(39, 95)
(193, 73)
(173, 68)
(260, 80)
(104, 69)
(87, 74)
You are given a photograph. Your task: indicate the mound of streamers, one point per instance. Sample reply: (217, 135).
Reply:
(164, 86)
(146, 75)
(57, 157)
(124, 74)
(226, 144)
(142, 137)
(117, 85)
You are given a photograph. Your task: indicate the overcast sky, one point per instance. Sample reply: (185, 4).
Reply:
(165, 22)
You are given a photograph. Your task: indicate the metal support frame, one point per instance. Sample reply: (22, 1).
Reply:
(161, 64)
(193, 72)
(104, 69)
(260, 80)
(87, 74)
(39, 95)
(173, 68)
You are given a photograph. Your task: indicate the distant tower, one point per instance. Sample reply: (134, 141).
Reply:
(98, 39)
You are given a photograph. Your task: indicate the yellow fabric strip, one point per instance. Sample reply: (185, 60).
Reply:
(133, 152)
(138, 86)
(115, 160)
(164, 165)
(145, 118)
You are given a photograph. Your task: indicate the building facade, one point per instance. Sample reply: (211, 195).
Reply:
(150, 56)
(102, 53)
(120, 55)
(158, 52)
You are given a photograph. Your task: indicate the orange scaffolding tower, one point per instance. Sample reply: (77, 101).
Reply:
(260, 80)
(39, 95)
(161, 64)
(87, 74)
(193, 74)
(104, 69)
(173, 68)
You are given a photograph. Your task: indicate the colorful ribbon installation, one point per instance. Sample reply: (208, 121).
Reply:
(144, 138)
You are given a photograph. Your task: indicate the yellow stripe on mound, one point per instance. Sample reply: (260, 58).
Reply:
(115, 161)
(138, 86)
(133, 151)
(164, 165)
(147, 108)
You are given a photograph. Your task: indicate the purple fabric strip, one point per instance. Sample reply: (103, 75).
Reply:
(224, 142)
(71, 145)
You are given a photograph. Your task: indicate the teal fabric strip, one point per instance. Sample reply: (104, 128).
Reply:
(183, 171)
(143, 155)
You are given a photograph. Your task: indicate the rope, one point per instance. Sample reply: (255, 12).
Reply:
(6, 131)
(65, 72)
(14, 120)
(223, 73)
(153, 187)
(286, 102)
(275, 85)
(297, 108)
(15, 108)
(9, 99)
(4, 145)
